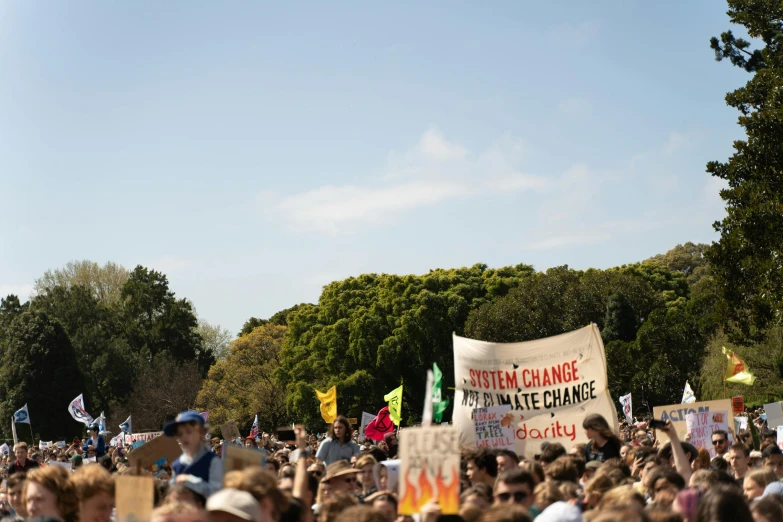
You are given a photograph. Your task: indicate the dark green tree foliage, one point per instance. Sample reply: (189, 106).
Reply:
(39, 368)
(104, 358)
(279, 319)
(10, 308)
(747, 258)
(621, 322)
(156, 322)
(369, 333)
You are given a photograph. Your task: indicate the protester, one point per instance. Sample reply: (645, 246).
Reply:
(720, 441)
(14, 488)
(604, 444)
(738, 457)
(507, 459)
(197, 465)
(515, 486)
(49, 492)
(22, 463)
(95, 490)
(232, 505)
(94, 446)
(482, 467)
(339, 444)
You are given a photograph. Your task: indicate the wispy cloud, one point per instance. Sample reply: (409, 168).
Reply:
(432, 172)
(23, 292)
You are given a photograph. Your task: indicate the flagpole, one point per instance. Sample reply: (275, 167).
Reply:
(13, 429)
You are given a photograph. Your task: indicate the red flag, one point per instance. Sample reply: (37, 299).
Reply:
(380, 425)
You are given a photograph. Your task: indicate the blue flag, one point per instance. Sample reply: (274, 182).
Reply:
(22, 416)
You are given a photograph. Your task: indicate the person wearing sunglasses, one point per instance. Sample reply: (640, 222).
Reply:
(340, 477)
(720, 441)
(515, 486)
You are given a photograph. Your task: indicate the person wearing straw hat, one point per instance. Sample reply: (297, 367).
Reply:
(341, 477)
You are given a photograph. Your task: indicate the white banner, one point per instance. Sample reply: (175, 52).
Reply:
(78, 412)
(625, 402)
(146, 437)
(551, 385)
(367, 418)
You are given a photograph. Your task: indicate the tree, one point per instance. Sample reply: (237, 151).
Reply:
(747, 259)
(162, 389)
(251, 324)
(689, 259)
(214, 339)
(156, 322)
(105, 282)
(39, 368)
(368, 333)
(104, 358)
(10, 309)
(243, 383)
(621, 322)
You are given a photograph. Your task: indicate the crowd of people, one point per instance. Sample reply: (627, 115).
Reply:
(633, 474)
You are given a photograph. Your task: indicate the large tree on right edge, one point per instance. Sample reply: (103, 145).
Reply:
(748, 258)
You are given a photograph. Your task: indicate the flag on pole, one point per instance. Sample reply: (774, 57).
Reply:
(78, 412)
(22, 416)
(687, 394)
(101, 421)
(127, 426)
(254, 428)
(328, 404)
(5, 450)
(394, 398)
(439, 404)
(380, 425)
(625, 402)
(736, 371)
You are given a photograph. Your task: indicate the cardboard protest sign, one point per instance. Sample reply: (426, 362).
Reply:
(66, 465)
(774, 413)
(677, 413)
(780, 437)
(367, 418)
(551, 385)
(151, 452)
(429, 469)
(134, 498)
(494, 427)
(701, 425)
(144, 437)
(237, 458)
(738, 404)
(229, 431)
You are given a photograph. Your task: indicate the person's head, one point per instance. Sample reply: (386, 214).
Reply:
(625, 450)
(772, 459)
(702, 460)
(262, 485)
(482, 467)
(386, 504)
(360, 514)
(595, 426)
(94, 431)
(590, 470)
(76, 462)
(504, 513)
(546, 494)
(515, 486)
(687, 502)
(720, 441)
(189, 428)
(724, 504)
(182, 494)
(640, 436)
(767, 510)
(596, 488)
(15, 485)
(770, 435)
(479, 495)
(233, 505)
(621, 496)
(703, 478)
(627, 513)
(20, 451)
(341, 429)
(551, 452)
(366, 464)
(507, 459)
(341, 477)
(49, 492)
(756, 481)
(738, 458)
(95, 489)
(666, 485)
(535, 469)
(250, 442)
(562, 470)
(335, 505)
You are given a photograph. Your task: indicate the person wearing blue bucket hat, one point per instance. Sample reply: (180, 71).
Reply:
(198, 466)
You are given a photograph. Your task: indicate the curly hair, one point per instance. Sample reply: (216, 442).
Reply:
(56, 480)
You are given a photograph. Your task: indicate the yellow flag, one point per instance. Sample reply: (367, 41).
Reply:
(736, 371)
(328, 404)
(394, 398)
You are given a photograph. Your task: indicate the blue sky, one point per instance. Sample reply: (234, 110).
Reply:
(255, 151)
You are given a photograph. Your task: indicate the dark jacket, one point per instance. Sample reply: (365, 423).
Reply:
(100, 447)
(28, 465)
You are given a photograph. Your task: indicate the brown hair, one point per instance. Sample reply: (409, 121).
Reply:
(761, 477)
(703, 478)
(360, 514)
(348, 429)
(621, 496)
(91, 480)
(562, 469)
(260, 483)
(598, 424)
(365, 460)
(56, 480)
(336, 505)
(506, 513)
(546, 494)
(624, 513)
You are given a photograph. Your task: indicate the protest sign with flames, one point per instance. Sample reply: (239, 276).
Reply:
(429, 469)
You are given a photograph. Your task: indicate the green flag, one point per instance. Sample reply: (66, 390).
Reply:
(394, 398)
(439, 405)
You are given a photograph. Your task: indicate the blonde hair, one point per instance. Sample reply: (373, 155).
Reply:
(168, 512)
(365, 460)
(260, 483)
(546, 494)
(336, 505)
(56, 480)
(92, 480)
(621, 496)
(762, 477)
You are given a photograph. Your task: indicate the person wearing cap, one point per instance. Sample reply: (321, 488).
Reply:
(590, 469)
(95, 441)
(198, 465)
(233, 505)
(340, 477)
(76, 462)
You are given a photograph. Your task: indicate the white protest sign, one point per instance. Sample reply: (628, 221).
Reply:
(676, 413)
(429, 469)
(494, 427)
(774, 413)
(551, 385)
(367, 418)
(145, 437)
(780, 436)
(701, 425)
